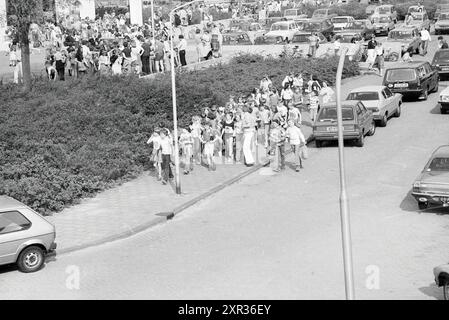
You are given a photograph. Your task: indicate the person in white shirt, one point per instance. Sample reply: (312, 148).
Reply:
(326, 93)
(156, 156)
(337, 45)
(15, 61)
(182, 46)
(425, 39)
(297, 141)
(166, 152)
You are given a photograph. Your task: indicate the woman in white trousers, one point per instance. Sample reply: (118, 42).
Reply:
(249, 125)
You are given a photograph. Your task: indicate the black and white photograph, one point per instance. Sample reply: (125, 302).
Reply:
(228, 150)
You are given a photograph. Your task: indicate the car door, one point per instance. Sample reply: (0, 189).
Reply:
(392, 101)
(360, 117)
(367, 117)
(13, 231)
(433, 76)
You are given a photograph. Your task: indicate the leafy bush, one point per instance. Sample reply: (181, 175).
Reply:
(67, 140)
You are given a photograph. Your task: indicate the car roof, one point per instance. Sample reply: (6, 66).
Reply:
(284, 22)
(346, 103)
(341, 17)
(368, 88)
(406, 65)
(8, 203)
(441, 151)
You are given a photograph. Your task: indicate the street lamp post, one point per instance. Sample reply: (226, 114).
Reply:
(344, 205)
(173, 85)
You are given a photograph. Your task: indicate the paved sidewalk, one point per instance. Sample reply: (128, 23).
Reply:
(143, 202)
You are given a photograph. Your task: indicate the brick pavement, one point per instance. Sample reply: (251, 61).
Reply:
(141, 203)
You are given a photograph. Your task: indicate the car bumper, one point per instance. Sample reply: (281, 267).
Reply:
(432, 198)
(328, 136)
(52, 249)
(444, 105)
(406, 91)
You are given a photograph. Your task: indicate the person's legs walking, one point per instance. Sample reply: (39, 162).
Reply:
(238, 147)
(247, 144)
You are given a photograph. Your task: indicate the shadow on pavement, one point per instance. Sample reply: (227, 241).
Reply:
(410, 204)
(436, 110)
(432, 291)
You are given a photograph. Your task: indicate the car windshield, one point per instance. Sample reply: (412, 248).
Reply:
(339, 20)
(439, 164)
(381, 19)
(401, 75)
(330, 114)
(414, 9)
(417, 17)
(356, 26)
(364, 96)
(442, 55)
(400, 35)
(321, 12)
(291, 13)
(383, 10)
(276, 27)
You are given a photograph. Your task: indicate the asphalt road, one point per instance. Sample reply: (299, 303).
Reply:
(277, 236)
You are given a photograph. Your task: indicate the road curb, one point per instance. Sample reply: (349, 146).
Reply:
(166, 216)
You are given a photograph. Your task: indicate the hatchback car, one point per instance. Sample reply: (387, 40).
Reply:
(382, 24)
(387, 9)
(293, 14)
(380, 100)
(324, 26)
(358, 122)
(415, 78)
(440, 62)
(443, 7)
(284, 29)
(442, 24)
(26, 238)
(404, 36)
(431, 187)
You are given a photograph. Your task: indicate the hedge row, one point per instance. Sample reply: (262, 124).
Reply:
(68, 140)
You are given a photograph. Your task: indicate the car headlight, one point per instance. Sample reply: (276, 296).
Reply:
(390, 85)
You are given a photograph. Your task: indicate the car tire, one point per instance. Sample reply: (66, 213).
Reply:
(372, 131)
(446, 290)
(383, 121)
(318, 143)
(361, 140)
(31, 259)
(397, 114)
(422, 205)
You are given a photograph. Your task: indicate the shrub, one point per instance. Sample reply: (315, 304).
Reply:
(64, 141)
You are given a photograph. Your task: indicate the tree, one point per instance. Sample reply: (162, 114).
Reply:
(26, 12)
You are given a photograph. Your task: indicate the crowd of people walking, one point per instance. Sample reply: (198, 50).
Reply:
(246, 127)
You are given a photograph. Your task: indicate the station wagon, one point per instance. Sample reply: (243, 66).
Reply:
(358, 122)
(415, 78)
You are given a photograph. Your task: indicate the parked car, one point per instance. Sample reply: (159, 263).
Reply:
(388, 10)
(442, 7)
(383, 24)
(440, 62)
(421, 21)
(357, 123)
(26, 238)
(284, 29)
(294, 14)
(319, 14)
(237, 38)
(415, 78)
(431, 187)
(303, 37)
(407, 36)
(364, 26)
(348, 36)
(443, 100)
(380, 100)
(442, 23)
(239, 24)
(342, 22)
(324, 26)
